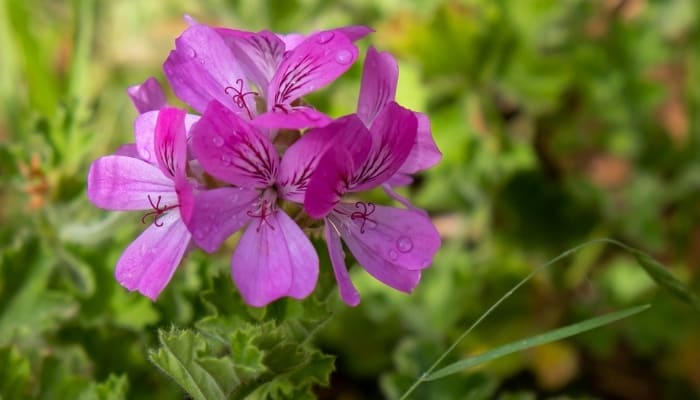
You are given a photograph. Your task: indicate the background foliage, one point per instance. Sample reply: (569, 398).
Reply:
(559, 121)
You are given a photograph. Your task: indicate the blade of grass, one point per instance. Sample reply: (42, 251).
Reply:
(533, 341)
(662, 277)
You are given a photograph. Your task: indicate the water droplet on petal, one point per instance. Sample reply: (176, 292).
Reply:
(404, 244)
(225, 160)
(146, 155)
(393, 255)
(343, 57)
(143, 249)
(325, 37)
(218, 141)
(192, 53)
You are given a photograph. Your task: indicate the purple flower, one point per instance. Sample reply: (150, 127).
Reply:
(273, 258)
(158, 185)
(392, 244)
(221, 64)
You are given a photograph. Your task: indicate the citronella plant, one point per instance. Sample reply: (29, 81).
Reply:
(295, 230)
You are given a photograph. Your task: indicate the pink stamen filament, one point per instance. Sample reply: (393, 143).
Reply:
(157, 211)
(263, 212)
(367, 210)
(239, 97)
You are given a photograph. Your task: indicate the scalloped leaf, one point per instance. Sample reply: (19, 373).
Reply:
(203, 378)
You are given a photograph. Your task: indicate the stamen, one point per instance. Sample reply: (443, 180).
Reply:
(239, 97)
(157, 211)
(263, 212)
(367, 210)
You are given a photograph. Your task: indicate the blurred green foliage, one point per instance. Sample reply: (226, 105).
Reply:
(559, 121)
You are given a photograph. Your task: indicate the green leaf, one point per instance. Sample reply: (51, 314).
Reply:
(665, 279)
(27, 307)
(247, 356)
(201, 378)
(114, 388)
(523, 344)
(14, 373)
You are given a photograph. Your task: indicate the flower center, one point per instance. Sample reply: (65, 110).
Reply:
(157, 211)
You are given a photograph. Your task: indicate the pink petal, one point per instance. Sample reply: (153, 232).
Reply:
(147, 96)
(300, 160)
(393, 137)
(202, 68)
(292, 118)
(335, 250)
(328, 182)
(170, 143)
(127, 150)
(380, 75)
(405, 238)
(218, 213)
(387, 186)
(258, 54)
(145, 131)
(316, 62)
(390, 274)
(274, 258)
(398, 179)
(352, 32)
(232, 150)
(291, 40)
(150, 261)
(425, 152)
(127, 183)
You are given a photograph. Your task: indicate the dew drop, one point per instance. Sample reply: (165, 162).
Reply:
(393, 255)
(143, 249)
(192, 53)
(146, 155)
(225, 160)
(218, 141)
(343, 57)
(325, 37)
(404, 244)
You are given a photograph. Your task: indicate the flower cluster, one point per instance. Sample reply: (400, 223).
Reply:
(256, 157)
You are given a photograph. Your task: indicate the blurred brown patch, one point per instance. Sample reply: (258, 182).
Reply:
(694, 253)
(62, 57)
(554, 364)
(621, 376)
(450, 226)
(689, 359)
(477, 120)
(672, 113)
(608, 171)
(36, 183)
(608, 11)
